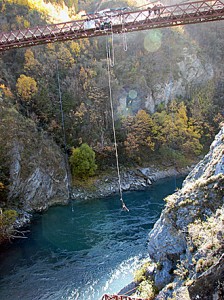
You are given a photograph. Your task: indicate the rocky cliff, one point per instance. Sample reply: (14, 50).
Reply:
(186, 244)
(35, 164)
(178, 66)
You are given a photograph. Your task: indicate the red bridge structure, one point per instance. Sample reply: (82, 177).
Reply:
(113, 21)
(120, 297)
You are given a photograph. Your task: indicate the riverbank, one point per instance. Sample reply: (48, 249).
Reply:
(134, 179)
(131, 180)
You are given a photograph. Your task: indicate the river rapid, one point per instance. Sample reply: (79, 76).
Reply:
(82, 250)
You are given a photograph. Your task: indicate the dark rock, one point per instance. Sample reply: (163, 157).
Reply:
(128, 289)
(209, 283)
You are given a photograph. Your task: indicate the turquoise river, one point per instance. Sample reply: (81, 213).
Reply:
(82, 250)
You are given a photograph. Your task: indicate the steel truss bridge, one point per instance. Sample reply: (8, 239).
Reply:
(119, 22)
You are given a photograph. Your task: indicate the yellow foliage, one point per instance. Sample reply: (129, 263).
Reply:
(26, 24)
(26, 87)
(65, 57)
(140, 274)
(6, 90)
(7, 218)
(57, 13)
(75, 48)
(180, 29)
(31, 64)
(2, 187)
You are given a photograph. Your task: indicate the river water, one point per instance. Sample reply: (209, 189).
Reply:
(83, 250)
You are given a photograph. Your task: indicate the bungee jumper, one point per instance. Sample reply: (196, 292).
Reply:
(124, 207)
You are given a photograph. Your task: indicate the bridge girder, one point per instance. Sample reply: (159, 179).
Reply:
(165, 16)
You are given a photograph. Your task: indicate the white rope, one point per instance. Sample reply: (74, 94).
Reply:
(110, 57)
(113, 126)
(112, 47)
(63, 132)
(124, 37)
(170, 99)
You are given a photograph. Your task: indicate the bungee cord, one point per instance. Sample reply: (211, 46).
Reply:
(63, 132)
(169, 98)
(124, 207)
(112, 48)
(124, 36)
(110, 56)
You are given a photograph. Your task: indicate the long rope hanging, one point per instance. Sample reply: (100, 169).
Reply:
(124, 207)
(63, 132)
(124, 36)
(110, 57)
(169, 98)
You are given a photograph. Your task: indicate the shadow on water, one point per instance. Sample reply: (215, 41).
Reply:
(84, 252)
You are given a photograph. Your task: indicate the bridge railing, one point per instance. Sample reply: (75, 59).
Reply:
(152, 17)
(119, 297)
(183, 10)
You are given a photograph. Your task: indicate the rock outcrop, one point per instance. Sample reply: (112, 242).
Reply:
(191, 70)
(35, 164)
(40, 180)
(131, 180)
(188, 240)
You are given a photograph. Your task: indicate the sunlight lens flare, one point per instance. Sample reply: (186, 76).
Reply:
(132, 94)
(153, 40)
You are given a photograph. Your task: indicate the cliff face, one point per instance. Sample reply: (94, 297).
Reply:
(35, 163)
(188, 240)
(176, 77)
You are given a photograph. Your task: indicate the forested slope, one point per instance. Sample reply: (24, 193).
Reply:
(167, 90)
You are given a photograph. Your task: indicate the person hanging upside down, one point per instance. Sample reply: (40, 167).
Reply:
(124, 207)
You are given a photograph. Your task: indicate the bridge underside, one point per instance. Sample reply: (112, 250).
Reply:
(190, 13)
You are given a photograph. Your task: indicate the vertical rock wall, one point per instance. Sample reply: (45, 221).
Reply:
(36, 164)
(188, 239)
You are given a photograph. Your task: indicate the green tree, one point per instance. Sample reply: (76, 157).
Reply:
(82, 162)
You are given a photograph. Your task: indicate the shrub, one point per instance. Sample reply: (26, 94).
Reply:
(7, 220)
(82, 162)
(140, 274)
(147, 289)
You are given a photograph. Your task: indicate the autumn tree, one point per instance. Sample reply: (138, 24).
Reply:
(203, 108)
(26, 87)
(141, 132)
(7, 220)
(178, 137)
(185, 135)
(75, 48)
(31, 65)
(65, 58)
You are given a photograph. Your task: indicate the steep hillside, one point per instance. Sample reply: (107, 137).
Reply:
(158, 66)
(186, 244)
(33, 162)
